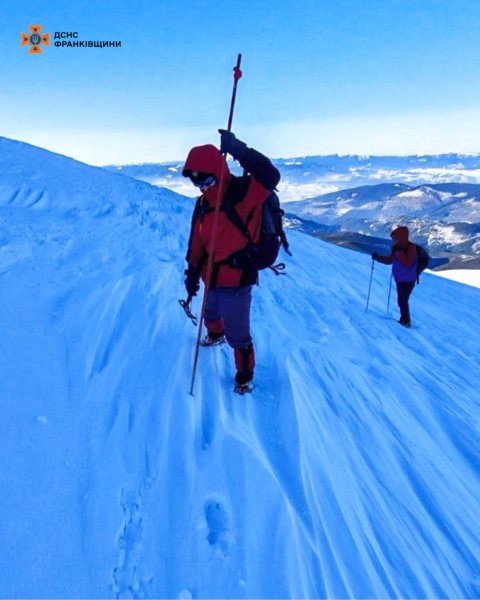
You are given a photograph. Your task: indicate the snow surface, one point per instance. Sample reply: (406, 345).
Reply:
(465, 276)
(351, 471)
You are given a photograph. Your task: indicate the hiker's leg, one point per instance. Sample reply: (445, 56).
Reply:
(235, 308)
(404, 289)
(213, 317)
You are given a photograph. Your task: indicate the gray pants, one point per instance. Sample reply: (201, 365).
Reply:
(232, 305)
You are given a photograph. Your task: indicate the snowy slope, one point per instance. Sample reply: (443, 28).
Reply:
(351, 471)
(468, 276)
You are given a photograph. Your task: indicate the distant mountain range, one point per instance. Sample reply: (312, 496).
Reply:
(444, 217)
(314, 175)
(310, 176)
(354, 200)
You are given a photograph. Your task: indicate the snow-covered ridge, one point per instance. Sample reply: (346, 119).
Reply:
(445, 216)
(452, 202)
(37, 178)
(351, 471)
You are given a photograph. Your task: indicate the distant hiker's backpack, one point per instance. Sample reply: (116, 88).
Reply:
(423, 258)
(264, 253)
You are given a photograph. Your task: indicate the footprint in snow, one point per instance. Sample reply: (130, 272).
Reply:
(217, 522)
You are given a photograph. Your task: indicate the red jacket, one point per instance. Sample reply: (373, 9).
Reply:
(246, 193)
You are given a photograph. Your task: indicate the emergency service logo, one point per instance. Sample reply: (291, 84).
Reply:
(35, 39)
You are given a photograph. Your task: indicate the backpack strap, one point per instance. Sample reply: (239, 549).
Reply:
(236, 193)
(284, 241)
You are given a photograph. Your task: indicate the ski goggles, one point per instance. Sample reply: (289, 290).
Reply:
(202, 180)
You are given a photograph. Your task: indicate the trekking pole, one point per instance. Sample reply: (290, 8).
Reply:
(389, 292)
(236, 76)
(370, 285)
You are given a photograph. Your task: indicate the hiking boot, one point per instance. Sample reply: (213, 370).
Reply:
(244, 388)
(213, 339)
(243, 382)
(405, 323)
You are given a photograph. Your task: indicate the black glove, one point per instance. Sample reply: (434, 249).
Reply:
(230, 145)
(374, 256)
(192, 281)
(395, 248)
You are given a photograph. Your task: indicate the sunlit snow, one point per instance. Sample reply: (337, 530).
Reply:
(351, 471)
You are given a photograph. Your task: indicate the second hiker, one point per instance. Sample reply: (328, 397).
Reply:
(227, 311)
(403, 259)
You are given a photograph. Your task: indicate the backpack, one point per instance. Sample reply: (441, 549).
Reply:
(264, 253)
(423, 258)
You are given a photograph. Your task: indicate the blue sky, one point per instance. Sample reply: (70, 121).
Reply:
(368, 77)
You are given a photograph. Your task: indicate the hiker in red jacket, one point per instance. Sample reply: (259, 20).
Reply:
(227, 311)
(403, 259)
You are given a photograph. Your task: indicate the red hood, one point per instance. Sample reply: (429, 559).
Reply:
(401, 233)
(206, 159)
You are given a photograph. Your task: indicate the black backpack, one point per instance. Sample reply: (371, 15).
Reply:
(264, 253)
(423, 258)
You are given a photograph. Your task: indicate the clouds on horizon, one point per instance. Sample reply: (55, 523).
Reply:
(435, 132)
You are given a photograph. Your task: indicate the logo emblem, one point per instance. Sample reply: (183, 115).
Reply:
(35, 38)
